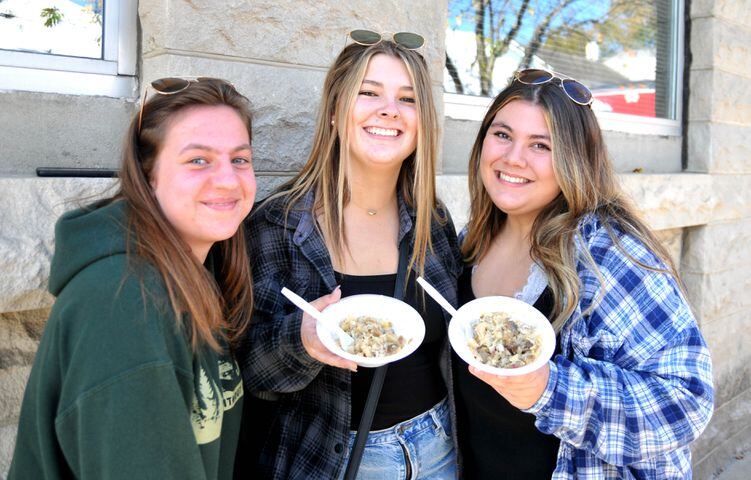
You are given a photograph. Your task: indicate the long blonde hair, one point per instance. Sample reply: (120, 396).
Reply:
(588, 187)
(325, 170)
(209, 308)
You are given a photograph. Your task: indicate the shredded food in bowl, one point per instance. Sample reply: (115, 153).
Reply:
(501, 342)
(372, 337)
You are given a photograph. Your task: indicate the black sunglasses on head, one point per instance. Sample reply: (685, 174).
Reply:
(575, 90)
(172, 85)
(408, 40)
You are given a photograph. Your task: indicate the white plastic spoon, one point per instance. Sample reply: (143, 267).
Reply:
(334, 330)
(436, 296)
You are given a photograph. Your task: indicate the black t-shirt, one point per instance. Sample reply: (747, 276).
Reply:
(413, 384)
(497, 440)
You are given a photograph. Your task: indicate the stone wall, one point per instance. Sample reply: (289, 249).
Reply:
(717, 257)
(277, 53)
(51, 130)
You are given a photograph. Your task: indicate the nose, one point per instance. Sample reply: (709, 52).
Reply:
(515, 155)
(390, 109)
(225, 175)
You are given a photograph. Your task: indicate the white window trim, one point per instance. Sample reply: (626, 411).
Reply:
(113, 76)
(469, 107)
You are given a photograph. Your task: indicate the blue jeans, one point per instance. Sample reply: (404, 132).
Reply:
(418, 448)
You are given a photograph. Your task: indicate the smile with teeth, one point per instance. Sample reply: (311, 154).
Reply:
(221, 204)
(384, 132)
(511, 179)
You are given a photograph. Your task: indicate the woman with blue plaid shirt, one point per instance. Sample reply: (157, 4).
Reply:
(630, 385)
(335, 230)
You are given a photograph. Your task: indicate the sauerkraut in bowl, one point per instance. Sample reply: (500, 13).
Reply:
(502, 335)
(373, 337)
(384, 329)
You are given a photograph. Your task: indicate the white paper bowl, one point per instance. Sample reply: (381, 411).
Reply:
(460, 331)
(404, 319)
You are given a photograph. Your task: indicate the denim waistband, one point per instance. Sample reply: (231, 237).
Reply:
(408, 428)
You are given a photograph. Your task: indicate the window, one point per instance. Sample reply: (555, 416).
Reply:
(629, 52)
(80, 47)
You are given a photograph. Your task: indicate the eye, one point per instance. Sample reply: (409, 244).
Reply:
(408, 100)
(198, 161)
(242, 162)
(368, 93)
(501, 135)
(540, 146)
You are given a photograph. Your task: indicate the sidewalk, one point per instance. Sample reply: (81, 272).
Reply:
(739, 470)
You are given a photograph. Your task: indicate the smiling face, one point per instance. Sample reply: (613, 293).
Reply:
(382, 128)
(203, 178)
(516, 164)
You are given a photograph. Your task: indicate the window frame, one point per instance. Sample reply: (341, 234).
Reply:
(471, 107)
(111, 76)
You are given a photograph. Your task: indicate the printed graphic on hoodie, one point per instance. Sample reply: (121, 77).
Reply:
(210, 400)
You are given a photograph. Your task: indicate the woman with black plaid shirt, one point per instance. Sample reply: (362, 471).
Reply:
(333, 231)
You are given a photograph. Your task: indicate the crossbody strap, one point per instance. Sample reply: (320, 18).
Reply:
(366, 420)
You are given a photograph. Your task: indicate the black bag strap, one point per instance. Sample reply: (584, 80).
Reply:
(366, 420)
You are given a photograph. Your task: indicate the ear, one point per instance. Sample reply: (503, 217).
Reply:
(152, 179)
(151, 176)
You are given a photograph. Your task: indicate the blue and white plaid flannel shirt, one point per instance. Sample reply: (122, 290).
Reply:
(633, 385)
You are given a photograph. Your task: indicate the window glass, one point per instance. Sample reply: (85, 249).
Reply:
(624, 50)
(58, 27)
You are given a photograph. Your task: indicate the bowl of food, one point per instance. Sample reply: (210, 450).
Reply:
(384, 329)
(502, 336)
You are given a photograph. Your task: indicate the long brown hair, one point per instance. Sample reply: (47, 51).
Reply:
(209, 308)
(325, 170)
(588, 186)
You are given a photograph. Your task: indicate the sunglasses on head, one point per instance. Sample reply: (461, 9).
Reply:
(172, 85)
(576, 91)
(408, 40)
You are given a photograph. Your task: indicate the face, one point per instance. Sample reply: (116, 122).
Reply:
(383, 125)
(203, 178)
(516, 164)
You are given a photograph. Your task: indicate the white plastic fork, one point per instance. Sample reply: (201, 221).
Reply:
(436, 296)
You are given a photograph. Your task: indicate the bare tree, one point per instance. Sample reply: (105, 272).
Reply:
(490, 42)
(540, 32)
(454, 74)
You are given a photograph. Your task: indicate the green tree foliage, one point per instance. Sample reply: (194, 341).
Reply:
(52, 16)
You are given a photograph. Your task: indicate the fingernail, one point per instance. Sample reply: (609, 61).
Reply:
(337, 287)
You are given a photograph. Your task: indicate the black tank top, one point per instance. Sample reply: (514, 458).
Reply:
(413, 384)
(497, 440)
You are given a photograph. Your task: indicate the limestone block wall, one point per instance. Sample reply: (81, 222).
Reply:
(277, 53)
(52, 130)
(717, 256)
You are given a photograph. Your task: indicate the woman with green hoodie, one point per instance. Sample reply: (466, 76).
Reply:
(134, 376)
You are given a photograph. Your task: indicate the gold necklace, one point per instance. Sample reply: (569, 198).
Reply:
(370, 211)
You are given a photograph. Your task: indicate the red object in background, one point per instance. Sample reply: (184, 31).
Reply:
(631, 101)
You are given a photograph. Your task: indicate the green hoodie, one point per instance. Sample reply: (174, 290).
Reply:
(115, 390)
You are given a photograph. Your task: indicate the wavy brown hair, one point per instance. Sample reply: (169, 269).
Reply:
(210, 307)
(325, 170)
(588, 186)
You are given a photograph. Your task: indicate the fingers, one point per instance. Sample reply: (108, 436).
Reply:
(313, 344)
(522, 391)
(326, 300)
(324, 356)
